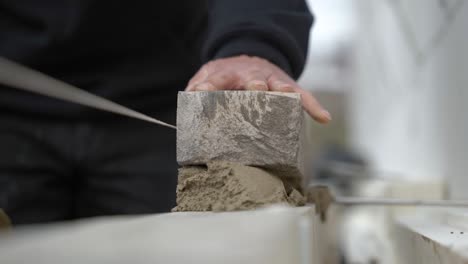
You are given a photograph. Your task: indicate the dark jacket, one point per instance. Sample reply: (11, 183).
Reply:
(140, 53)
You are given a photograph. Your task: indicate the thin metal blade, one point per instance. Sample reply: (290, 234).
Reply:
(321, 197)
(398, 202)
(18, 76)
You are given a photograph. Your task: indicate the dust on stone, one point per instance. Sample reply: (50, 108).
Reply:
(229, 186)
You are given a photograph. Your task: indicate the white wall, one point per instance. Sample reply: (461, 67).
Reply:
(329, 46)
(409, 107)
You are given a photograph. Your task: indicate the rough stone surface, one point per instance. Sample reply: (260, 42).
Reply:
(227, 186)
(249, 127)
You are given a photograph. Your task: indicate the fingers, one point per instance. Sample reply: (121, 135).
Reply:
(206, 80)
(228, 80)
(221, 80)
(310, 104)
(197, 78)
(278, 85)
(251, 73)
(313, 107)
(255, 80)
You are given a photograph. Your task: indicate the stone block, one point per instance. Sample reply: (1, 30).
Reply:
(253, 128)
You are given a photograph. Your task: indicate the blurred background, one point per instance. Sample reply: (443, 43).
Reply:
(393, 75)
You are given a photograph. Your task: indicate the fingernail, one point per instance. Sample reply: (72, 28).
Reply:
(326, 115)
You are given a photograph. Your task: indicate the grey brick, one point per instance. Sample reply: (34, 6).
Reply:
(250, 127)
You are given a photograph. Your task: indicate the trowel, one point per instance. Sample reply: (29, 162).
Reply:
(20, 77)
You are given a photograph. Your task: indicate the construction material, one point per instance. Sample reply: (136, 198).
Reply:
(250, 127)
(227, 186)
(17, 76)
(253, 128)
(425, 237)
(274, 235)
(239, 150)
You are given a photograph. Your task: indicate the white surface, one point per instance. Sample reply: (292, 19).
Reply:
(367, 232)
(329, 45)
(271, 235)
(428, 239)
(409, 102)
(457, 218)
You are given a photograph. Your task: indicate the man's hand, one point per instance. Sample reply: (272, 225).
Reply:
(253, 73)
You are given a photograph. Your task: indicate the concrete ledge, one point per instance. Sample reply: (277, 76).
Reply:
(457, 218)
(427, 238)
(271, 235)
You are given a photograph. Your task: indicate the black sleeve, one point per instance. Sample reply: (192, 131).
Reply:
(277, 30)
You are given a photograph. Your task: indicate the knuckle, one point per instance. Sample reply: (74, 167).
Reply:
(252, 74)
(225, 75)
